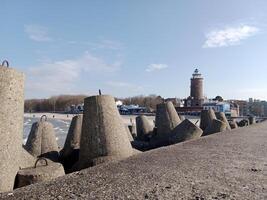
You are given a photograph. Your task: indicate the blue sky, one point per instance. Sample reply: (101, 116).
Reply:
(128, 48)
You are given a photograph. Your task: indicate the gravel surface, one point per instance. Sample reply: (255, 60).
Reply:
(228, 165)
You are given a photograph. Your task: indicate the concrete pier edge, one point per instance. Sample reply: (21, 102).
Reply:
(226, 165)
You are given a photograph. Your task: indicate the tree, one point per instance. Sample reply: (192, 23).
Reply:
(55, 103)
(218, 98)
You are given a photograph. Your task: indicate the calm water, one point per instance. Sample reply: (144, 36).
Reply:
(61, 128)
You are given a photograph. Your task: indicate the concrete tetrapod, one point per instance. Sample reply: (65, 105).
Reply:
(132, 129)
(215, 127)
(206, 118)
(186, 130)
(104, 137)
(39, 173)
(166, 118)
(243, 122)
(42, 140)
(252, 120)
(233, 124)
(70, 152)
(182, 117)
(129, 134)
(221, 116)
(26, 159)
(11, 124)
(73, 137)
(144, 128)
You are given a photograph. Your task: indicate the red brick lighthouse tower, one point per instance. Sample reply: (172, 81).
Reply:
(197, 96)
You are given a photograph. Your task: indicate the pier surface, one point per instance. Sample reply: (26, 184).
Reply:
(228, 165)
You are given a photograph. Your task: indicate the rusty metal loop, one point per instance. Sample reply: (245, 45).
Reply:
(46, 163)
(42, 117)
(5, 62)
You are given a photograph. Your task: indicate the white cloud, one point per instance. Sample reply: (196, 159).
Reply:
(61, 76)
(229, 36)
(154, 67)
(37, 33)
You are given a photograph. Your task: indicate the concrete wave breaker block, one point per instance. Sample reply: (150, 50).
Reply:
(42, 141)
(26, 159)
(206, 118)
(133, 129)
(215, 127)
(221, 116)
(252, 120)
(166, 118)
(186, 130)
(69, 155)
(144, 127)
(233, 124)
(73, 137)
(243, 122)
(182, 117)
(129, 134)
(104, 136)
(11, 125)
(39, 173)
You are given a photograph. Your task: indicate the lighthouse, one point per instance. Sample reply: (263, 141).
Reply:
(196, 93)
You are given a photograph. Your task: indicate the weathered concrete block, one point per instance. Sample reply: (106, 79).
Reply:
(144, 128)
(26, 159)
(69, 155)
(182, 117)
(133, 129)
(42, 140)
(11, 125)
(206, 118)
(104, 136)
(252, 120)
(243, 122)
(130, 137)
(221, 116)
(186, 130)
(233, 124)
(141, 145)
(215, 127)
(166, 118)
(73, 137)
(39, 173)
